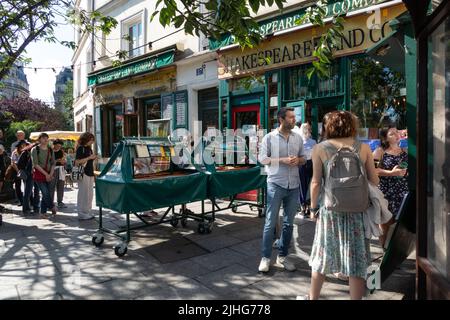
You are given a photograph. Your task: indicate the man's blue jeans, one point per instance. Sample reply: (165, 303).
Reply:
(277, 195)
(46, 201)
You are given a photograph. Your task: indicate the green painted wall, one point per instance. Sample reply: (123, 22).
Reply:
(411, 102)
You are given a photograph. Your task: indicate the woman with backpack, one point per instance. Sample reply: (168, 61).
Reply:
(85, 157)
(392, 163)
(339, 243)
(43, 160)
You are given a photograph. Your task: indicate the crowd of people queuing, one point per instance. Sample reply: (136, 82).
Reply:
(39, 170)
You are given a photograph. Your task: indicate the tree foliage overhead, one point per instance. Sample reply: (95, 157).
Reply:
(214, 18)
(25, 21)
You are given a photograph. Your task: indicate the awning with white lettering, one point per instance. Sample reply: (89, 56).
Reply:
(141, 66)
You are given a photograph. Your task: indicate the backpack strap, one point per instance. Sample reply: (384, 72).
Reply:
(329, 148)
(357, 145)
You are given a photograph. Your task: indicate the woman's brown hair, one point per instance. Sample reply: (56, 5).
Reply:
(340, 124)
(85, 138)
(383, 137)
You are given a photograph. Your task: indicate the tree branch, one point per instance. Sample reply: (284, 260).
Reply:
(5, 25)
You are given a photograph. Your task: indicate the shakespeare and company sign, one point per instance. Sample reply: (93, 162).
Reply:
(297, 47)
(288, 20)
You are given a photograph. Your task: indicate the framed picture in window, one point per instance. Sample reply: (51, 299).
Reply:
(128, 106)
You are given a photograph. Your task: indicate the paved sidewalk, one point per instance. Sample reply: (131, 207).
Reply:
(55, 259)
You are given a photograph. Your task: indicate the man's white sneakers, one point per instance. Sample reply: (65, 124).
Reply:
(283, 261)
(264, 265)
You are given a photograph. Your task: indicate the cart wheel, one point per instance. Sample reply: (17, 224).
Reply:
(97, 240)
(184, 222)
(261, 212)
(174, 222)
(208, 228)
(234, 209)
(201, 228)
(120, 250)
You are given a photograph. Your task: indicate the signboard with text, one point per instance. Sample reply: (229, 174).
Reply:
(297, 47)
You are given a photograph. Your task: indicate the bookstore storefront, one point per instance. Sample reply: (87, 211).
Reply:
(255, 83)
(128, 98)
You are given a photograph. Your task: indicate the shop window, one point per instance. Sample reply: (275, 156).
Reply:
(247, 83)
(135, 40)
(116, 129)
(208, 108)
(224, 107)
(297, 84)
(299, 87)
(89, 123)
(329, 86)
(378, 96)
(438, 244)
(273, 95)
(152, 111)
(133, 34)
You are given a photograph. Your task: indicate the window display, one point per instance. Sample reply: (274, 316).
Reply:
(158, 128)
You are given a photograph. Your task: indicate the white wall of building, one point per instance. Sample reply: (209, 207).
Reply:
(187, 79)
(81, 62)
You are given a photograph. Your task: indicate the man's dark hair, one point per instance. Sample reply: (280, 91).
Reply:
(58, 141)
(43, 135)
(282, 112)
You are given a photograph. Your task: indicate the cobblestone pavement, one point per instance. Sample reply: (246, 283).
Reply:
(55, 259)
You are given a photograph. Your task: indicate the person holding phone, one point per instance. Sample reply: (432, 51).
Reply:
(85, 157)
(392, 170)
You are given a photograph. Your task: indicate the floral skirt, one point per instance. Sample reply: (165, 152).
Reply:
(340, 245)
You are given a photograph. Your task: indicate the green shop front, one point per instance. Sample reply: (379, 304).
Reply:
(374, 76)
(131, 98)
(256, 82)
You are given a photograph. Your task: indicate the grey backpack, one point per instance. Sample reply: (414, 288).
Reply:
(346, 187)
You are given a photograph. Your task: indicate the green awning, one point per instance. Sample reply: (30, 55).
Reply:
(224, 40)
(132, 68)
(390, 51)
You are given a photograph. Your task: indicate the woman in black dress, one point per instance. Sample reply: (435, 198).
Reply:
(392, 169)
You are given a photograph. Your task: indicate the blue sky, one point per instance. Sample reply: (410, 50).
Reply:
(43, 54)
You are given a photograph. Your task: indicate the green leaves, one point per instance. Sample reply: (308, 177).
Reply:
(254, 4)
(69, 44)
(328, 41)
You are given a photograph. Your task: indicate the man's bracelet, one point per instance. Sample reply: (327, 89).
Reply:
(314, 209)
